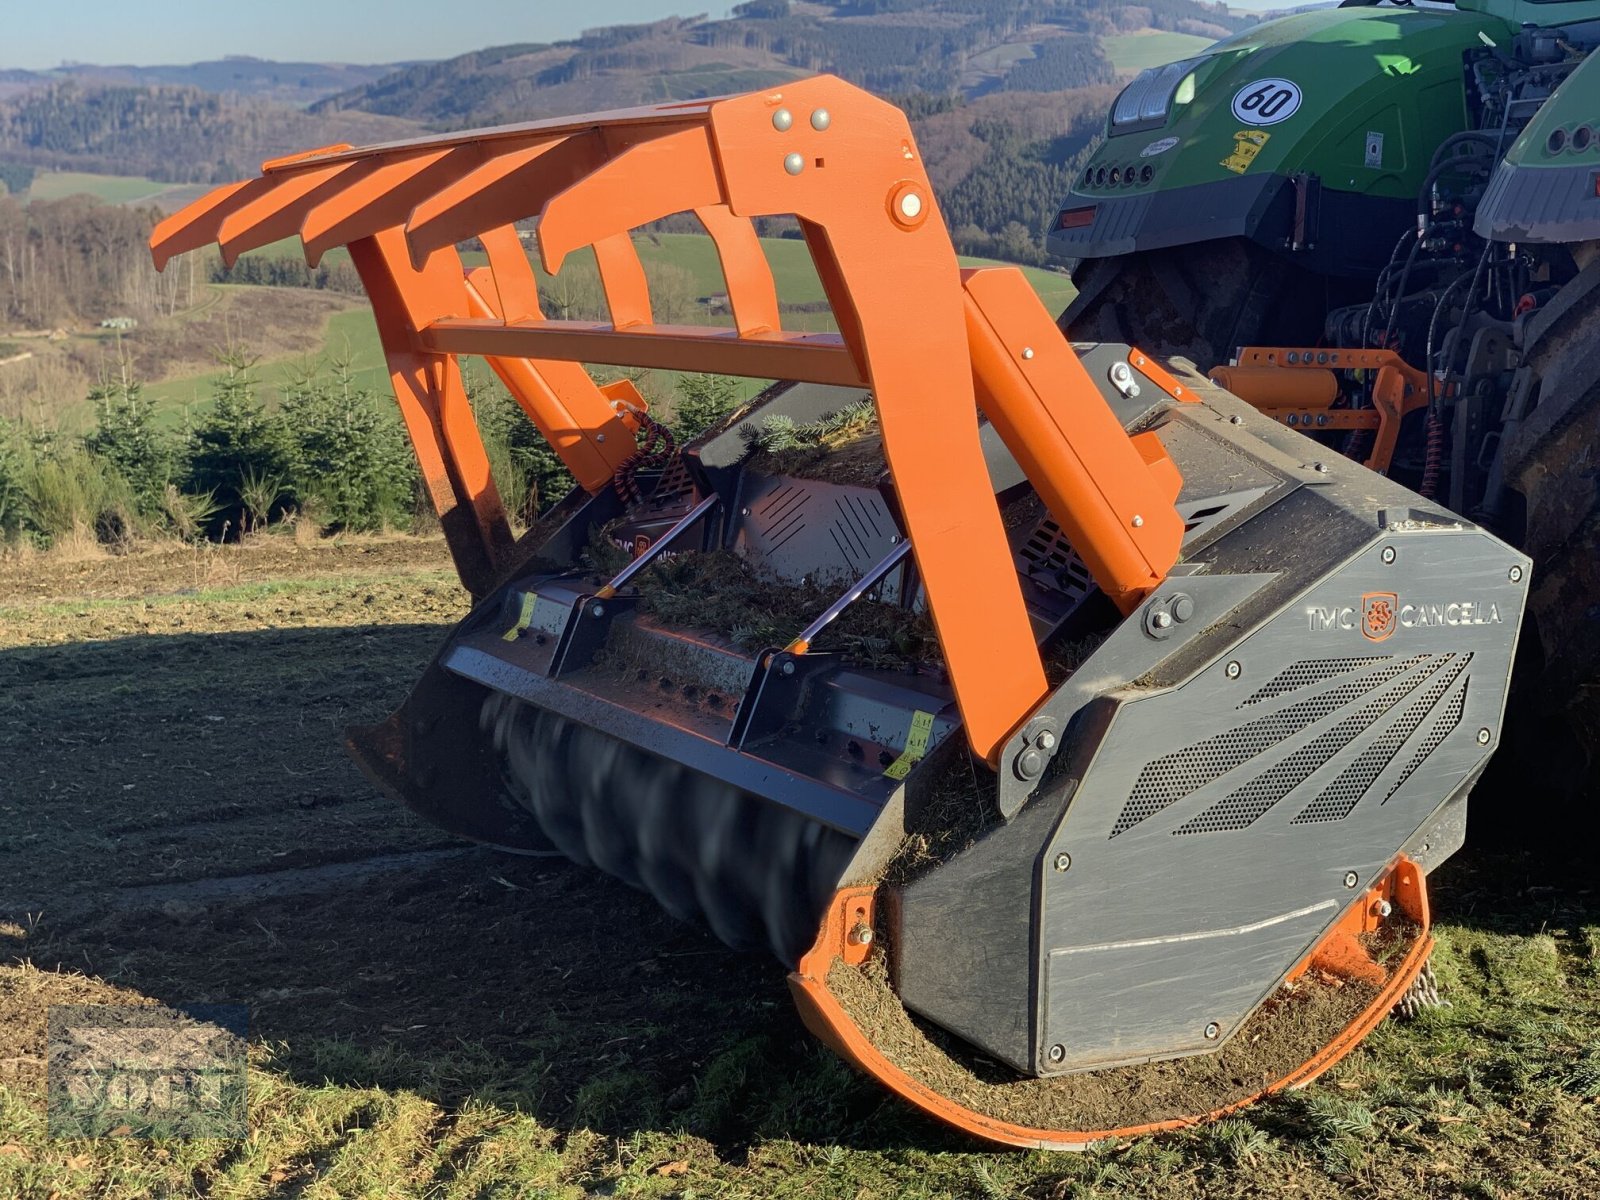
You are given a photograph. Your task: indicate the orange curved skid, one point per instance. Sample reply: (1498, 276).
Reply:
(1403, 885)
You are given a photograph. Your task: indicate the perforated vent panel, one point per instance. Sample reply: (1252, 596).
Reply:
(1256, 798)
(674, 488)
(1442, 728)
(1312, 670)
(1174, 776)
(1340, 800)
(1049, 560)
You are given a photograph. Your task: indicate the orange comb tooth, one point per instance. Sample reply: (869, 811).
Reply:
(752, 293)
(197, 225)
(276, 213)
(375, 194)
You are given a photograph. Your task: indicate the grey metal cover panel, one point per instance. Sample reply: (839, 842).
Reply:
(1212, 836)
(1541, 204)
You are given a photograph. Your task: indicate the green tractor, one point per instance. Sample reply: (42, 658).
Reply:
(1409, 182)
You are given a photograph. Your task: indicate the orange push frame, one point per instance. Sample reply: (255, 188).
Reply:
(931, 345)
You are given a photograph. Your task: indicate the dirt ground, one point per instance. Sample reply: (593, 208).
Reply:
(178, 824)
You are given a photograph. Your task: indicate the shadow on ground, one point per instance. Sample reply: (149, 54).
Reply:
(183, 823)
(180, 813)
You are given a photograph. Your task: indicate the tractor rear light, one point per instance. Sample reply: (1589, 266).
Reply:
(1077, 218)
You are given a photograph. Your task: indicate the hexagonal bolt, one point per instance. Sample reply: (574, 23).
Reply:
(1063, 862)
(1057, 1053)
(794, 163)
(1161, 619)
(1351, 879)
(1382, 909)
(861, 935)
(1029, 764)
(1046, 740)
(1213, 1031)
(783, 120)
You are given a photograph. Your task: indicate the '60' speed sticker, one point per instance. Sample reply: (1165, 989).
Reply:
(1266, 102)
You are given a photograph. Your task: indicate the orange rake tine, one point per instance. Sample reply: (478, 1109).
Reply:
(500, 190)
(276, 214)
(752, 293)
(375, 194)
(197, 225)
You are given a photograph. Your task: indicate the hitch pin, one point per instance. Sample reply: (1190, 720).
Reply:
(660, 544)
(802, 644)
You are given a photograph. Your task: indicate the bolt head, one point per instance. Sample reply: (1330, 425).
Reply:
(1138, 522)
(1388, 554)
(1383, 908)
(597, 610)
(861, 935)
(794, 163)
(1351, 879)
(1213, 1031)
(1030, 764)
(783, 120)
(1046, 740)
(787, 668)
(1516, 574)
(1058, 1053)
(821, 119)
(1236, 419)
(1063, 862)
(1182, 608)
(1234, 670)
(1321, 468)
(1161, 620)
(1483, 737)
(1027, 352)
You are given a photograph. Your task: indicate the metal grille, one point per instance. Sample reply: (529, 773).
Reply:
(1049, 560)
(1313, 670)
(862, 523)
(1174, 776)
(1255, 799)
(1442, 728)
(674, 488)
(1340, 800)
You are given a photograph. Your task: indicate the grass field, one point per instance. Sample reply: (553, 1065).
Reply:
(439, 1022)
(1150, 48)
(113, 189)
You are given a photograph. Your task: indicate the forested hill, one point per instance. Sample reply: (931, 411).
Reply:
(967, 47)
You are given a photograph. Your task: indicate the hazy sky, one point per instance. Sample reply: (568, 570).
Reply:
(45, 33)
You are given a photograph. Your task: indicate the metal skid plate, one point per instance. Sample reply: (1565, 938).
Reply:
(1224, 824)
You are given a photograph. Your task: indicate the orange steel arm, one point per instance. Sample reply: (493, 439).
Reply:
(845, 165)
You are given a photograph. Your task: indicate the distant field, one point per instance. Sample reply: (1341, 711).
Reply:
(113, 189)
(1150, 48)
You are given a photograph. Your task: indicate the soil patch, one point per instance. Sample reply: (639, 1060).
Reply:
(1286, 1031)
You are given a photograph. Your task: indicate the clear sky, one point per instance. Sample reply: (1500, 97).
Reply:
(46, 33)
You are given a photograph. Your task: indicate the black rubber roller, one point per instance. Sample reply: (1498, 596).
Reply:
(757, 874)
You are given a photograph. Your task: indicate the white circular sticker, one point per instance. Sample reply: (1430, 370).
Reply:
(1266, 102)
(1155, 148)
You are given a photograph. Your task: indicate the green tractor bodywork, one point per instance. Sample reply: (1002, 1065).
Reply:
(1548, 188)
(1311, 134)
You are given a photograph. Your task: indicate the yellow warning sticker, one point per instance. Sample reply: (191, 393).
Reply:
(1247, 143)
(916, 746)
(530, 601)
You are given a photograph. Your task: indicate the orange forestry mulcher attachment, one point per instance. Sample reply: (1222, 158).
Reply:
(1028, 704)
